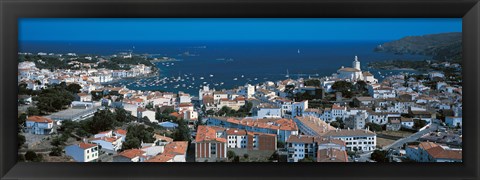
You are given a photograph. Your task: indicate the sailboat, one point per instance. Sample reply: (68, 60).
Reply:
(287, 76)
(298, 51)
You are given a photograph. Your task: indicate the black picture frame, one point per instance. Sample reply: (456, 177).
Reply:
(11, 10)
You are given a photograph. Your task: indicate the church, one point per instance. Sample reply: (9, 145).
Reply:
(355, 73)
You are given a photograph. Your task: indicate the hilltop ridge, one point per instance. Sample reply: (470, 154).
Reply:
(443, 46)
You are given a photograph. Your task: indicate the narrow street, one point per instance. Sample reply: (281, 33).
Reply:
(399, 143)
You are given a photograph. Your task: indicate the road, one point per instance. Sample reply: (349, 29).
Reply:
(364, 157)
(399, 143)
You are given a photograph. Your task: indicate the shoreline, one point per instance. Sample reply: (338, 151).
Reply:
(150, 75)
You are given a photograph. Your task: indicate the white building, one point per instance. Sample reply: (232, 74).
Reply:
(217, 96)
(300, 147)
(351, 74)
(108, 140)
(236, 138)
(299, 107)
(361, 140)
(356, 121)
(142, 113)
(131, 155)
(382, 92)
(82, 152)
(432, 152)
(266, 112)
(283, 128)
(407, 122)
(338, 112)
(39, 125)
(453, 121)
(184, 98)
(250, 90)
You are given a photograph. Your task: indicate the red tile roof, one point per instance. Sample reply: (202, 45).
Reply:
(104, 138)
(268, 123)
(164, 138)
(39, 119)
(176, 148)
(121, 131)
(185, 104)
(237, 132)
(86, 145)
(332, 155)
(324, 140)
(206, 133)
(300, 139)
(161, 158)
(427, 145)
(439, 152)
(176, 114)
(105, 132)
(132, 153)
(350, 132)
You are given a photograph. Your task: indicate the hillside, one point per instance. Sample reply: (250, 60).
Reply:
(445, 46)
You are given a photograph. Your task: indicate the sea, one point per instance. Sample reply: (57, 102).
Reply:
(228, 64)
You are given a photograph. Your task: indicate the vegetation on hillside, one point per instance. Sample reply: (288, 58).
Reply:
(444, 46)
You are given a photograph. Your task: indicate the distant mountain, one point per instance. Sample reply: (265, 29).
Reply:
(445, 46)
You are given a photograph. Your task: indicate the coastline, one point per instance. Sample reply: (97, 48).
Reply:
(155, 73)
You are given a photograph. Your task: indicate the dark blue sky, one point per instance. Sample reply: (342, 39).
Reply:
(228, 29)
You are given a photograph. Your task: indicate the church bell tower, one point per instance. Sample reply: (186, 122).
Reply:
(356, 63)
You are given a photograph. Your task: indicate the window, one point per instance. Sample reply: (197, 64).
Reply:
(88, 151)
(213, 149)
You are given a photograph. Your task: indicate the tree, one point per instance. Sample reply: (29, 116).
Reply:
(149, 105)
(379, 156)
(136, 134)
(22, 89)
(338, 123)
(225, 111)
(274, 156)
(56, 151)
(102, 120)
(231, 154)
(210, 112)
(33, 111)
(418, 123)
(236, 159)
(335, 124)
(361, 86)
(182, 133)
(21, 140)
(30, 155)
(280, 144)
(131, 143)
(56, 141)
(73, 88)
(121, 115)
(54, 98)
(307, 159)
(20, 158)
(39, 158)
(303, 96)
(168, 111)
(342, 86)
(373, 126)
(312, 82)
(21, 121)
